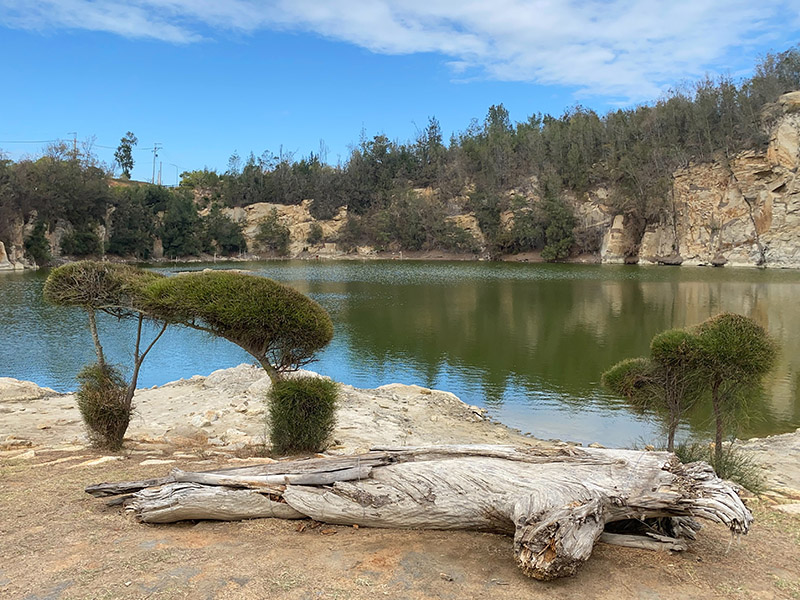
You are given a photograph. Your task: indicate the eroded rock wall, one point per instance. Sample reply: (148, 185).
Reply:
(297, 218)
(745, 211)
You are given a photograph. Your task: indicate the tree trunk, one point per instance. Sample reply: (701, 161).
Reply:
(273, 373)
(96, 337)
(138, 359)
(557, 503)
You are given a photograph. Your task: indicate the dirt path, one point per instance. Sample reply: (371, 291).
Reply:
(59, 543)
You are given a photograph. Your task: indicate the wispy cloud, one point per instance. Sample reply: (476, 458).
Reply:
(628, 49)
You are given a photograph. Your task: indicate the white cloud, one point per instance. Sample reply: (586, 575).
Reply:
(627, 49)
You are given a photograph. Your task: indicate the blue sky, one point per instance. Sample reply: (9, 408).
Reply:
(204, 78)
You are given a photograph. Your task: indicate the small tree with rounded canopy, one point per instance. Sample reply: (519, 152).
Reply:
(280, 327)
(117, 290)
(664, 380)
(726, 356)
(735, 353)
(277, 325)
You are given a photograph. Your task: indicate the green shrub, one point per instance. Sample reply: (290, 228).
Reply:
(302, 414)
(732, 464)
(272, 235)
(632, 378)
(36, 244)
(103, 406)
(280, 327)
(81, 242)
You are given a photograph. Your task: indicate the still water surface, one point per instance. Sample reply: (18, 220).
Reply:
(526, 341)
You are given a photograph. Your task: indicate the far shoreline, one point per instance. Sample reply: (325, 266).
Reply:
(387, 256)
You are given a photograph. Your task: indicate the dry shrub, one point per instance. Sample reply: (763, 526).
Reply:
(101, 401)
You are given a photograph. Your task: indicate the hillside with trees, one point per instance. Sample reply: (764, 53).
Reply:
(521, 185)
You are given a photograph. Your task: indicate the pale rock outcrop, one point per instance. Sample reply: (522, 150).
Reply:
(296, 217)
(745, 213)
(469, 223)
(5, 264)
(613, 249)
(16, 390)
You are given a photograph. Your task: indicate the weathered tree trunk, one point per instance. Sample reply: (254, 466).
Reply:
(557, 503)
(98, 348)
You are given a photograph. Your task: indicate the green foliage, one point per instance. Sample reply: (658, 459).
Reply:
(635, 379)
(272, 235)
(487, 208)
(302, 414)
(558, 231)
(735, 348)
(413, 222)
(124, 154)
(156, 197)
(58, 186)
(731, 464)
(314, 234)
(353, 233)
(526, 232)
(118, 290)
(221, 234)
(200, 179)
(725, 358)
(180, 227)
(110, 287)
(734, 354)
(101, 402)
(81, 242)
(36, 244)
(132, 223)
(276, 324)
(665, 381)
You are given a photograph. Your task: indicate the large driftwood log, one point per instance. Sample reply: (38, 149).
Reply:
(557, 503)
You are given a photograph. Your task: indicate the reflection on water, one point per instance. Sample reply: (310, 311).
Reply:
(529, 342)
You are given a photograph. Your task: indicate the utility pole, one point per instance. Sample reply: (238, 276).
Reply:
(156, 147)
(177, 183)
(160, 165)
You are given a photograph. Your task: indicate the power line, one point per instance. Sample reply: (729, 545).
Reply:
(68, 140)
(28, 141)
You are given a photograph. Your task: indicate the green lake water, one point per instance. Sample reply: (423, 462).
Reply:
(526, 341)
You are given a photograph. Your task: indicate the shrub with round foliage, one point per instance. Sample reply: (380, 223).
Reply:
(735, 353)
(105, 286)
(103, 406)
(302, 414)
(633, 379)
(117, 290)
(280, 327)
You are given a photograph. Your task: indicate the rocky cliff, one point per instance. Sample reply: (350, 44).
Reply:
(743, 211)
(740, 210)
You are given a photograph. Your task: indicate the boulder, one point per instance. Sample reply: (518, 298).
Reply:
(14, 390)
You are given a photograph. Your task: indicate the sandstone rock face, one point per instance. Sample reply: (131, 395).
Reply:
(297, 218)
(785, 142)
(5, 264)
(469, 223)
(746, 213)
(613, 249)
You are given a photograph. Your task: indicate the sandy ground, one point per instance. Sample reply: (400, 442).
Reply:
(59, 543)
